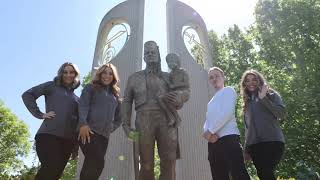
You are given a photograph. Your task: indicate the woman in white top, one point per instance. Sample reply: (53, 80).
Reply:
(221, 131)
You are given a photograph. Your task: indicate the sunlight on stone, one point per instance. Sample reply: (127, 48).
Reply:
(121, 157)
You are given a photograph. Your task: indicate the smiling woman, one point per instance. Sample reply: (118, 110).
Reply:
(55, 139)
(263, 109)
(68, 75)
(99, 116)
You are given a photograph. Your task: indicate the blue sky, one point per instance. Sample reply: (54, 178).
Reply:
(38, 36)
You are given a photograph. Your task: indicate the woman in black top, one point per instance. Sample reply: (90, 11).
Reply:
(99, 116)
(56, 137)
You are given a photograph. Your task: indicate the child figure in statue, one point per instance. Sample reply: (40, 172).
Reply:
(178, 83)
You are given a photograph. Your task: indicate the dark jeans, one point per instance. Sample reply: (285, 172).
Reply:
(265, 157)
(53, 153)
(93, 157)
(226, 158)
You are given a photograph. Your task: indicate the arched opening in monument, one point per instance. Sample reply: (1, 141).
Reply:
(192, 42)
(117, 37)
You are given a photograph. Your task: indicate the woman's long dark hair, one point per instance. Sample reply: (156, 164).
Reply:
(96, 81)
(243, 90)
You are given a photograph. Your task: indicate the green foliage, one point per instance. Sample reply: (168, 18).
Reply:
(288, 35)
(284, 45)
(27, 173)
(86, 79)
(69, 172)
(14, 142)
(306, 173)
(134, 136)
(235, 55)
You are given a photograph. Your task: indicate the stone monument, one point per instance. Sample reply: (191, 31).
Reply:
(194, 159)
(193, 149)
(152, 123)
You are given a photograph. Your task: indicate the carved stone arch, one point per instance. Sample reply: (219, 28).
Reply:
(179, 15)
(131, 12)
(193, 39)
(194, 159)
(119, 156)
(107, 41)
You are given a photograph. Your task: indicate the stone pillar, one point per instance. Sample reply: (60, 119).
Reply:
(193, 163)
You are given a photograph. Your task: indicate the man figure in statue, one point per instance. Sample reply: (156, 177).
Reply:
(144, 88)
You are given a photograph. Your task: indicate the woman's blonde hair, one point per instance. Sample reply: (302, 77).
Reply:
(218, 69)
(115, 87)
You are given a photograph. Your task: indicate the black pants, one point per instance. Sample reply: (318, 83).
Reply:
(265, 157)
(226, 158)
(93, 157)
(53, 153)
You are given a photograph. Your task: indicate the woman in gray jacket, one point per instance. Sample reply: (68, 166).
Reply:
(56, 137)
(99, 116)
(263, 108)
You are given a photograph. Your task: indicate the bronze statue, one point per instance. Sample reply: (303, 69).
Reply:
(144, 88)
(178, 83)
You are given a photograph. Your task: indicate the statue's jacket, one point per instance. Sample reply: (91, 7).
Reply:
(137, 89)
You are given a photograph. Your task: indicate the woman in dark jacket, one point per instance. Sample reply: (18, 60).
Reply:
(99, 116)
(263, 108)
(56, 137)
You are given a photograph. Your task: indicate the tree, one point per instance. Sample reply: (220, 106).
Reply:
(283, 44)
(27, 173)
(69, 172)
(86, 79)
(288, 35)
(14, 142)
(235, 52)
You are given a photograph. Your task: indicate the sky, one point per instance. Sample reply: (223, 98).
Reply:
(37, 36)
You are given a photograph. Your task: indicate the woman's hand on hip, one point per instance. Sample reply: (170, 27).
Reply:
(49, 115)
